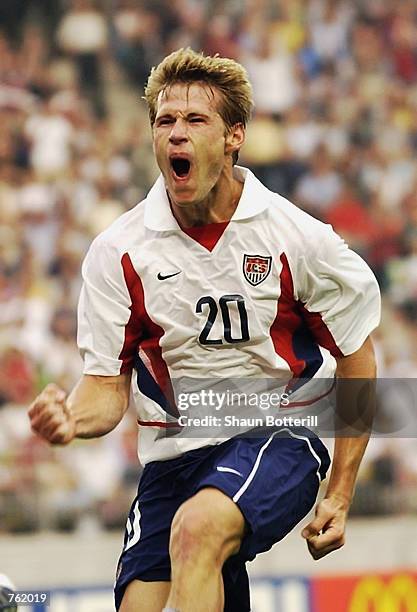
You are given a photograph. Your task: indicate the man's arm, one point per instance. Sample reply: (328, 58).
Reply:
(94, 407)
(327, 531)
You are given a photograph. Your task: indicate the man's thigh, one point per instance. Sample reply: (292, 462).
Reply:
(164, 486)
(273, 480)
(212, 520)
(211, 524)
(145, 596)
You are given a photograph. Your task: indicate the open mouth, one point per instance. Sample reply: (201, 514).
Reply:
(180, 166)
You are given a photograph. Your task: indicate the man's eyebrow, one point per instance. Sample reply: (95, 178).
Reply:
(190, 114)
(165, 114)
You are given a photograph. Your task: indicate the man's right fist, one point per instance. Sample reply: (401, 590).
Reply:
(50, 416)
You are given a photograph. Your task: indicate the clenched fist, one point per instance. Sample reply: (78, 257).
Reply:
(50, 416)
(326, 532)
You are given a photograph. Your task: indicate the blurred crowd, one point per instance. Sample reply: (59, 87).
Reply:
(334, 130)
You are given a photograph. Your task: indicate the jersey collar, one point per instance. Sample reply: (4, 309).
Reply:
(255, 199)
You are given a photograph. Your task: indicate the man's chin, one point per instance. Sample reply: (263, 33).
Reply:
(182, 202)
(182, 195)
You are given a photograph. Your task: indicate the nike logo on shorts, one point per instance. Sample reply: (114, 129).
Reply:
(222, 468)
(165, 276)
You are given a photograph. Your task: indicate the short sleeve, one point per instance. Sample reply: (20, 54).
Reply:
(103, 311)
(339, 292)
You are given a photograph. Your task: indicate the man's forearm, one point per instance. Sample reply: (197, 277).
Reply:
(355, 407)
(97, 404)
(355, 411)
(348, 453)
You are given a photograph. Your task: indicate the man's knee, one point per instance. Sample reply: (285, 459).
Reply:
(207, 527)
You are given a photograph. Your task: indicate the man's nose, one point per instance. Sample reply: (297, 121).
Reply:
(178, 132)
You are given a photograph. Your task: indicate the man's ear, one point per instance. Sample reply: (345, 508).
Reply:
(234, 139)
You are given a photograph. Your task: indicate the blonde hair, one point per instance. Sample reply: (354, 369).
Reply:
(225, 75)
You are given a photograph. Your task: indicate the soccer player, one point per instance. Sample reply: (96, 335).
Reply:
(213, 276)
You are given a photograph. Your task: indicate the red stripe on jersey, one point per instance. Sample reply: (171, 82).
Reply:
(286, 322)
(291, 314)
(162, 424)
(320, 331)
(134, 329)
(141, 330)
(207, 235)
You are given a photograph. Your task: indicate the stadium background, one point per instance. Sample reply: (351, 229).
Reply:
(335, 129)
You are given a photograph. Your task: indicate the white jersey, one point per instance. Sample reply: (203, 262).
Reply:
(274, 293)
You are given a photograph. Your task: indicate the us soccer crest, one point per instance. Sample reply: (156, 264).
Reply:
(256, 268)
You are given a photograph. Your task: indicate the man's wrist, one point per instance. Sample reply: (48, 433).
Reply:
(341, 499)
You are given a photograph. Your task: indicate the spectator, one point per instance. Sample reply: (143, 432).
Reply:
(349, 218)
(83, 35)
(273, 76)
(137, 40)
(320, 186)
(50, 135)
(330, 23)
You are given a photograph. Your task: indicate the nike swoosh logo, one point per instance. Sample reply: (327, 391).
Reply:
(222, 468)
(165, 276)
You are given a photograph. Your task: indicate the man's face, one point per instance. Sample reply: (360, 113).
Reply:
(190, 141)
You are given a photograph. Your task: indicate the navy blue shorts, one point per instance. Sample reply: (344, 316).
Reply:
(274, 481)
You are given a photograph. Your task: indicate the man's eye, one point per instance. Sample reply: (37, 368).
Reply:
(196, 120)
(164, 121)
